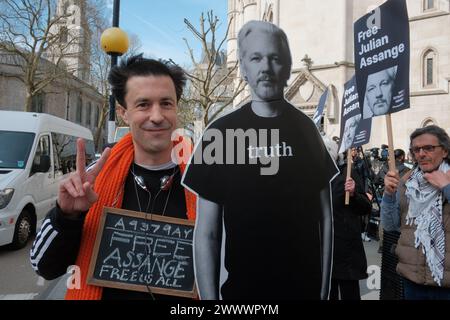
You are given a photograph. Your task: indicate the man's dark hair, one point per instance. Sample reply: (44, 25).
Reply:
(139, 66)
(439, 133)
(398, 153)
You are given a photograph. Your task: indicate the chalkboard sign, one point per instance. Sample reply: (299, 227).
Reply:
(143, 252)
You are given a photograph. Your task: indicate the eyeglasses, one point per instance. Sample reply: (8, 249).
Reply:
(427, 148)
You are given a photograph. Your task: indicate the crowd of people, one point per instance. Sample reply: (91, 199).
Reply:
(413, 201)
(247, 218)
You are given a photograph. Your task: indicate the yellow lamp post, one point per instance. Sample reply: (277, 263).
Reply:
(114, 42)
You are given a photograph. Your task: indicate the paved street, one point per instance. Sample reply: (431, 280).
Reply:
(18, 281)
(373, 259)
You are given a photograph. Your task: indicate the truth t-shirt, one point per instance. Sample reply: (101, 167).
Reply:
(271, 221)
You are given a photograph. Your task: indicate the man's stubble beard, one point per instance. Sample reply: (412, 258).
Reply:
(154, 148)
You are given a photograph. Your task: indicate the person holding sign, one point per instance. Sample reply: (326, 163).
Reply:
(272, 192)
(349, 258)
(354, 131)
(137, 174)
(418, 205)
(379, 90)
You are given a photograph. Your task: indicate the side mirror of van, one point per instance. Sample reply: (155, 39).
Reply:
(43, 166)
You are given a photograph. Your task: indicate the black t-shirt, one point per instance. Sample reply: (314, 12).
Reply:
(272, 247)
(176, 207)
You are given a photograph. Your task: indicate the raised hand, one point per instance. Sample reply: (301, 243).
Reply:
(391, 180)
(76, 194)
(438, 178)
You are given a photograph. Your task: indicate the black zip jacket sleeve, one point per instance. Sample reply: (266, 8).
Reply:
(57, 244)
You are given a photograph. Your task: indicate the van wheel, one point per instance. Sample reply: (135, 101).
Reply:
(22, 231)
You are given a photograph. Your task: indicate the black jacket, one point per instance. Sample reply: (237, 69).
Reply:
(349, 259)
(58, 241)
(402, 170)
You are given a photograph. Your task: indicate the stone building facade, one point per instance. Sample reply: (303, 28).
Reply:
(320, 35)
(71, 97)
(68, 98)
(75, 35)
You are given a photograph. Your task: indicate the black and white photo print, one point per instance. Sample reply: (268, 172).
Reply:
(262, 175)
(378, 97)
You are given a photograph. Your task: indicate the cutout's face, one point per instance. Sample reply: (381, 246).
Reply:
(349, 132)
(151, 112)
(264, 65)
(379, 92)
(428, 161)
(350, 128)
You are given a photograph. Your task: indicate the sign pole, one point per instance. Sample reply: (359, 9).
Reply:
(390, 143)
(349, 171)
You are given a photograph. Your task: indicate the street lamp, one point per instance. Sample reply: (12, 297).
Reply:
(114, 42)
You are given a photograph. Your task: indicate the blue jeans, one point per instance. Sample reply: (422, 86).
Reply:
(414, 291)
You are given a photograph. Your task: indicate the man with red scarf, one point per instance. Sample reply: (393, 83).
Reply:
(125, 176)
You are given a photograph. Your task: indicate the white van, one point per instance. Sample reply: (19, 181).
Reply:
(36, 151)
(120, 132)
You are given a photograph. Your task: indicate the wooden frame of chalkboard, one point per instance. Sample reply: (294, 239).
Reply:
(93, 277)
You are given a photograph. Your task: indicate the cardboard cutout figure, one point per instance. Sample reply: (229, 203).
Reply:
(262, 174)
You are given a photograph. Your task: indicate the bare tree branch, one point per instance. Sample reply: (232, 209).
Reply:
(29, 32)
(211, 78)
(100, 62)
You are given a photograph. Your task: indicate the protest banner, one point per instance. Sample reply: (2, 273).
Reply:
(382, 60)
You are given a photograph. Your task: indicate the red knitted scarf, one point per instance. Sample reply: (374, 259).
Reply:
(108, 186)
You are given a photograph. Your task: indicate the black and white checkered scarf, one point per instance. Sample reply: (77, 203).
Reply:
(425, 211)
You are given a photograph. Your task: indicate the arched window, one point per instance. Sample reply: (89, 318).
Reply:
(66, 6)
(428, 122)
(63, 35)
(88, 114)
(37, 103)
(97, 115)
(268, 14)
(429, 63)
(429, 5)
(79, 110)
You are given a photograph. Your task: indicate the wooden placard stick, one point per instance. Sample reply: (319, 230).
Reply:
(349, 172)
(390, 143)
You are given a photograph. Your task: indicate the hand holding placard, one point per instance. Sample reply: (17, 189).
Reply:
(349, 171)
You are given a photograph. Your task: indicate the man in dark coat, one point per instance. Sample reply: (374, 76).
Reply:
(349, 258)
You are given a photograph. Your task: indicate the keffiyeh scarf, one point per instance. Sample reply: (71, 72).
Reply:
(425, 211)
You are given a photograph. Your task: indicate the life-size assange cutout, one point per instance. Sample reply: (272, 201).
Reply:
(262, 174)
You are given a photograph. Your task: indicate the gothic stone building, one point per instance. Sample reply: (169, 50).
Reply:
(72, 97)
(320, 35)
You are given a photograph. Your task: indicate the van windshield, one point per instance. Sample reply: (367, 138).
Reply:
(120, 132)
(15, 148)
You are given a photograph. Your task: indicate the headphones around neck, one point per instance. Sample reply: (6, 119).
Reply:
(165, 181)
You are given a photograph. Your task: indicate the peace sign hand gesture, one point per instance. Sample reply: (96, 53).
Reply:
(76, 194)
